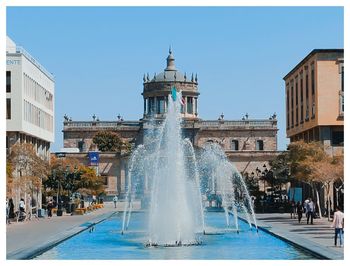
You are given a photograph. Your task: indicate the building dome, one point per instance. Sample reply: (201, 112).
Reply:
(157, 88)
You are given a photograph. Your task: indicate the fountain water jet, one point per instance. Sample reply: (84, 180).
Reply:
(178, 181)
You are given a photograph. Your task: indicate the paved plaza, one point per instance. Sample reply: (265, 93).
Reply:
(44, 233)
(318, 238)
(25, 239)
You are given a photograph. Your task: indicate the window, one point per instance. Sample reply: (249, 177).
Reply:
(8, 81)
(160, 105)
(301, 88)
(150, 105)
(301, 114)
(296, 91)
(8, 108)
(312, 80)
(338, 138)
(196, 105)
(288, 124)
(342, 79)
(341, 104)
(307, 87)
(292, 102)
(296, 116)
(189, 105)
(313, 110)
(259, 145)
(341, 94)
(81, 145)
(234, 145)
(183, 105)
(292, 95)
(105, 180)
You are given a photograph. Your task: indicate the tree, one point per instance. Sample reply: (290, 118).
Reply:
(302, 156)
(252, 184)
(9, 179)
(110, 141)
(28, 170)
(327, 171)
(280, 170)
(70, 176)
(90, 183)
(339, 172)
(309, 163)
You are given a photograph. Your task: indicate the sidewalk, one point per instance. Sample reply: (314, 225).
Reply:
(25, 239)
(318, 238)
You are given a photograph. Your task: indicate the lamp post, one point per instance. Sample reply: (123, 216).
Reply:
(262, 175)
(70, 187)
(59, 204)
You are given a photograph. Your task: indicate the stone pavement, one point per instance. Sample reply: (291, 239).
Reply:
(26, 239)
(317, 238)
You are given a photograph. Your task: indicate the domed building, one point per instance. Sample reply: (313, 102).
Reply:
(248, 143)
(156, 91)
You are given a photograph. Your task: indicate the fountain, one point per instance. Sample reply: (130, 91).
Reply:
(176, 181)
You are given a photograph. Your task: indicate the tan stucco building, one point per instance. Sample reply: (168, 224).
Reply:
(315, 99)
(314, 91)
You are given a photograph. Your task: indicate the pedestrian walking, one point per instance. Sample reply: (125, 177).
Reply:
(21, 205)
(305, 205)
(300, 210)
(11, 209)
(115, 199)
(21, 213)
(292, 209)
(310, 212)
(7, 211)
(49, 208)
(338, 225)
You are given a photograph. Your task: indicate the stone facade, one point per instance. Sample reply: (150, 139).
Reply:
(248, 143)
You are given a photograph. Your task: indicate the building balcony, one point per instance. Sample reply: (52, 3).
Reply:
(99, 125)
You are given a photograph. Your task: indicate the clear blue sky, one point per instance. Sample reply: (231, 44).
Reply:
(99, 55)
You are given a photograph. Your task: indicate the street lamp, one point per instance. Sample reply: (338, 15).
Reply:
(59, 204)
(71, 185)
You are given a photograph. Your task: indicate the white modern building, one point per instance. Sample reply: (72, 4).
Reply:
(30, 101)
(29, 113)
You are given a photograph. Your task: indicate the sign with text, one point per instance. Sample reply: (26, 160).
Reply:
(94, 158)
(13, 62)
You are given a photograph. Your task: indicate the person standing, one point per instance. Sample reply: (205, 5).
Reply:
(310, 211)
(299, 211)
(115, 199)
(49, 208)
(338, 225)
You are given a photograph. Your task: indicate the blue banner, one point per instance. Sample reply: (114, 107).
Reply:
(94, 158)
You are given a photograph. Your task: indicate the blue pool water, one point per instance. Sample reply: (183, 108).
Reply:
(106, 242)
